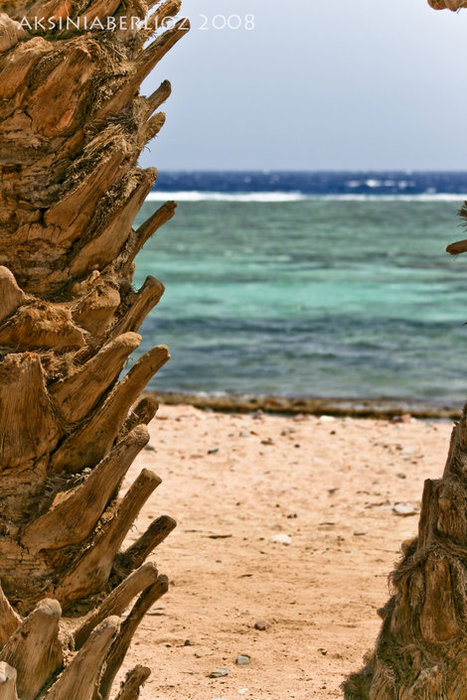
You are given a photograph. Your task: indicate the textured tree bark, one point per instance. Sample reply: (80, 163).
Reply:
(421, 652)
(453, 5)
(72, 125)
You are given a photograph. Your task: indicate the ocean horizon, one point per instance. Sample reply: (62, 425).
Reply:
(265, 185)
(315, 284)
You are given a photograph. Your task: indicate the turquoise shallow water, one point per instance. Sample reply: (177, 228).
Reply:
(310, 298)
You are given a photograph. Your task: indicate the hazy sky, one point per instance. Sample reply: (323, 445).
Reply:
(318, 84)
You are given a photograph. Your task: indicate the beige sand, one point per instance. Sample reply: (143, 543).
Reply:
(331, 486)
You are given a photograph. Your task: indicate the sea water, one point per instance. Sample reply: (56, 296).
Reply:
(310, 284)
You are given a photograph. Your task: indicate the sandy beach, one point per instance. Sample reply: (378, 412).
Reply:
(329, 488)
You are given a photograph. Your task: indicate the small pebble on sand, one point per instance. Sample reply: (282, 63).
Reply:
(404, 509)
(219, 672)
(281, 539)
(243, 660)
(261, 625)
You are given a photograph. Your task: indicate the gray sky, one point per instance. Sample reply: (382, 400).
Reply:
(318, 84)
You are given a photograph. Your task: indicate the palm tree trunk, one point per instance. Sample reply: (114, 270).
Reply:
(453, 5)
(72, 125)
(421, 652)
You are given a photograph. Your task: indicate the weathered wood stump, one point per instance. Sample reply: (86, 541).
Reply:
(421, 652)
(453, 5)
(72, 125)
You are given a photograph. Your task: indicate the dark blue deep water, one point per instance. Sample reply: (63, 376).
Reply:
(316, 183)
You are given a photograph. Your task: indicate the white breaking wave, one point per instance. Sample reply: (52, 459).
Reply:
(225, 197)
(402, 184)
(271, 197)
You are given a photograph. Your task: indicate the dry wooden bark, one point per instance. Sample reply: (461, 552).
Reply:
(453, 5)
(72, 126)
(421, 652)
